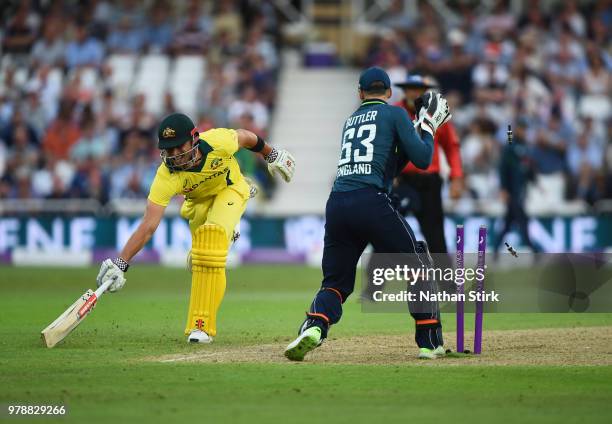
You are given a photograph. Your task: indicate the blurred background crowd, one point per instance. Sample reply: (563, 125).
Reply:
(547, 70)
(84, 84)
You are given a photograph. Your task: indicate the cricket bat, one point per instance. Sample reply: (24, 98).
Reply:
(73, 316)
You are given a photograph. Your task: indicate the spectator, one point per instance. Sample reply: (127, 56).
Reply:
(565, 71)
(248, 103)
(126, 37)
(396, 17)
(598, 30)
(91, 145)
(585, 159)
(490, 78)
(102, 14)
(529, 52)
(62, 177)
(596, 85)
(47, 84)
(20, 33)
(168, 104)
(84, 50)
(499, 21)
(24, 152)
(454, 72)
(228, 20)
(89, 182)
(214, 98)
(528, 94)
(21, 161)
(37, 116)
(571, 17)
(44, 180)
(128, 175)
(137, 118)
(49, 50)
(597, 79)
(130, 9)
(193, 31)
(160, 31)
(397, 72)
(18, 121)
(478, 151)
(258, 45)
(550, 146)
(62, 134)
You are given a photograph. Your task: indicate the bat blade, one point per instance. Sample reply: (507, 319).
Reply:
(69, 320)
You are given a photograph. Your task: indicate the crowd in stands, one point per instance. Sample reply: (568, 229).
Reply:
(547, 70)
(69, 129)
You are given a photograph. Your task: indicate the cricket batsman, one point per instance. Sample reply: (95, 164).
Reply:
(377, 141)
(203, 169)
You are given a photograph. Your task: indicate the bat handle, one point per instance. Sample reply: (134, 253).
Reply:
(103, 288)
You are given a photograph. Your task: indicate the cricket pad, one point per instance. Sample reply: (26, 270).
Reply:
(208, 256)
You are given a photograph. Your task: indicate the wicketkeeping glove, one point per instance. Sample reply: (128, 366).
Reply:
(281, 161)
(113, 269)
(432, 112)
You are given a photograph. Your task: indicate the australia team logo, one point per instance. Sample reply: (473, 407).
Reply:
(168, 132)
(215, 163)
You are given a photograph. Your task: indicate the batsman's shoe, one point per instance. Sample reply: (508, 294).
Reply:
(425, 353)
(307, 341)
(199, 336)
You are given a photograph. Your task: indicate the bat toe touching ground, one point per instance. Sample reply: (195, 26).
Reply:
(73, 316)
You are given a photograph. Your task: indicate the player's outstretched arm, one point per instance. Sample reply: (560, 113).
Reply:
(279, 160)
(115, 269)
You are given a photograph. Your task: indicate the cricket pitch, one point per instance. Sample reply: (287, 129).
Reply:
(586, 346)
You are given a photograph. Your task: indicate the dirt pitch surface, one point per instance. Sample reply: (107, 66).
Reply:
(553, 346)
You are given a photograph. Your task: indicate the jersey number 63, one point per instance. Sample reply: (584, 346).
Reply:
(352, 144)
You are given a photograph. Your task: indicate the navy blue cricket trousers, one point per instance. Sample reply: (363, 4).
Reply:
(354, 219)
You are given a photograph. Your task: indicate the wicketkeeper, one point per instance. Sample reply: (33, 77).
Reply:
(203, 169)
(377, 141)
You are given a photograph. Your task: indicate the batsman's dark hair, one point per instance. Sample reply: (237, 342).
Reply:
(377, 88)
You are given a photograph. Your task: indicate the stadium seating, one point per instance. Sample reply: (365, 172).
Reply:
(151, 79)
(187, 74)
(310, 127)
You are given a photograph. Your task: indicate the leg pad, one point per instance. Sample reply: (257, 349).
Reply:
(208, 256)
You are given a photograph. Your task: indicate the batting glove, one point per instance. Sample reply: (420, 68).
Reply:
(432, 111)
(282, 162)
(112, 269)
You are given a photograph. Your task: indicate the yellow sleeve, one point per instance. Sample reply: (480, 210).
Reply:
(223, 139)
(164, 187)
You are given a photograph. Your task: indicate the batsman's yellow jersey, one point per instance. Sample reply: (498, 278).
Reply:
(215, 191)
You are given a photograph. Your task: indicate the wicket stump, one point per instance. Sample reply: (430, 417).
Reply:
(460, 287)
(460, 290)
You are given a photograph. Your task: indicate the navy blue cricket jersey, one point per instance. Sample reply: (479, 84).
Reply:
(378, 140)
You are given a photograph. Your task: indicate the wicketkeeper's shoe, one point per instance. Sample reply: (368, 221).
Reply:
(307, 341)
(425, 353)
(199, 336)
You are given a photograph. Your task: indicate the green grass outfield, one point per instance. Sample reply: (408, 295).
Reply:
(101, 373)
